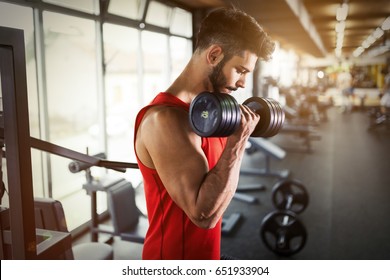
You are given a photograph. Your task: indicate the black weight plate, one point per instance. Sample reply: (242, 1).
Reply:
(260, 107)
(278, 117)
(232, 103)
(205, 114)
(225, 103)
(265, 111)
(224, 116)
(283, 233)
(272, 122)
(274, 128)
(225, 100)
(275, 124)
(290, 189)
(281, 116)
(235, 112)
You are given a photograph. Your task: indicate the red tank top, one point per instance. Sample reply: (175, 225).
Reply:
(171, 234)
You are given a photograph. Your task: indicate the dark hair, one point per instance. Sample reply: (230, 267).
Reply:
(235, 31)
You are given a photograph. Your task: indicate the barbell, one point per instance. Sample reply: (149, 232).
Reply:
(219, 115)
(281, 231)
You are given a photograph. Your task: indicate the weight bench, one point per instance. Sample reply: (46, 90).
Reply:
(270, 150)
(307, 133)
(229, 223)
(130, 224)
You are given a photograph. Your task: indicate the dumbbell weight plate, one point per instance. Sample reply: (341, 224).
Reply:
(279, 116)
(273, 119)
(275, 128)
(236, 114)
(261, 107)
(205, 114)
(293, 188)
(283, 233)
(225, 116)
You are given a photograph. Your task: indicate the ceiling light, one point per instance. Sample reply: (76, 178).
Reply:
(340, 26)
(371, 40)
(358, 51)
(366, 44)
(342, 12)
(386, 24)
(378, 33)
(339, 41)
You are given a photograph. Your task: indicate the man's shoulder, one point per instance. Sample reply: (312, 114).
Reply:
(166, 115)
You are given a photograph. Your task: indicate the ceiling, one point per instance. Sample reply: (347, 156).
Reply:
(308, 26)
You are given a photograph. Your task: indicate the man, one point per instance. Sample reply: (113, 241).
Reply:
(345, 83)
(188, 180)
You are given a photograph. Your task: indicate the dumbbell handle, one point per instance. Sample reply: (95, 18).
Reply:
(289, 201)
(281, 238)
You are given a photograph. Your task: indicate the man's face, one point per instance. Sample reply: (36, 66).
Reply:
(229, 75)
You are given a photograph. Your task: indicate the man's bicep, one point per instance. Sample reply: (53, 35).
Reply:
(180, 162)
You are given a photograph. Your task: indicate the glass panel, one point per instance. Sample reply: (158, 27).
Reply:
(89, 6)
(158, 14)
(181, 23)
(22, 18)
(156, 70)
(72, 94)
(181, 51)
(123, 98)
(133, 9)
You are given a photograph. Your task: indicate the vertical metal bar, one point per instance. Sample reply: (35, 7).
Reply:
(17, 143)
(42, 98)
(101, 85)
(146, 8)
(141, 69)
(94, 217)
(168, 62)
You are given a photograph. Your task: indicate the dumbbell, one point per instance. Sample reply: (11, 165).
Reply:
(281, 231)
(219, 115)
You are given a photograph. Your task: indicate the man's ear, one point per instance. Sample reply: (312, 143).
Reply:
(214, 55)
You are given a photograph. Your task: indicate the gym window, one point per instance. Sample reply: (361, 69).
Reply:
(86, 83)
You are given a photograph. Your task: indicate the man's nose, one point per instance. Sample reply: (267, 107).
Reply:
(241, 82)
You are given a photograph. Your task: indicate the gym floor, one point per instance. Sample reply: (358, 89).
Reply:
(348, 181)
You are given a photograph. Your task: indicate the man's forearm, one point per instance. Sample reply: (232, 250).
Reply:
(220, 184)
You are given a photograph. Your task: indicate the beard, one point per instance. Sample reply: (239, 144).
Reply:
(217, 78)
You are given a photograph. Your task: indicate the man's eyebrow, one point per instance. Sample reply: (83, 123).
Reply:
(244, 68)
